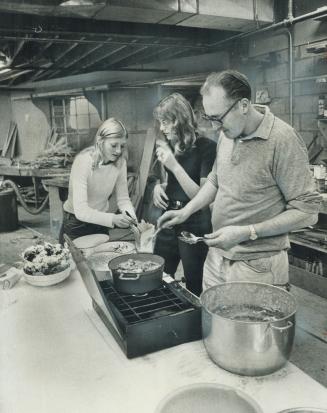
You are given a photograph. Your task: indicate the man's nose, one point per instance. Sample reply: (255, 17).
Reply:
(118, 149)
(162, 128)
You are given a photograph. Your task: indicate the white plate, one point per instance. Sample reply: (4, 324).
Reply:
(90, 241)
(120, 247)
(99, 261)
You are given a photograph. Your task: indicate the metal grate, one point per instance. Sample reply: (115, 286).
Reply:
(160, 302)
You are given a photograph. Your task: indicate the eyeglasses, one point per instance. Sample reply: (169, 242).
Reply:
(219, 119)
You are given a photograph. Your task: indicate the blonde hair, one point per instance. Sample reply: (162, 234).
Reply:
(110, 128)
(177, 109)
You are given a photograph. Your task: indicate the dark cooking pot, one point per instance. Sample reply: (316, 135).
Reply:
(248, 328)
(136, 283)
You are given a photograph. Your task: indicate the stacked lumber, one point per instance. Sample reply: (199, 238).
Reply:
(56, 154)
(8, 150)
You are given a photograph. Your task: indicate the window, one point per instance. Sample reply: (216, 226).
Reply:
(73, 116)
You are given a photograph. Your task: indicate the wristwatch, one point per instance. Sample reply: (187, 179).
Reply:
(253, 234)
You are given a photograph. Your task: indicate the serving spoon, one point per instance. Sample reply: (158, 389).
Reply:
(190, 238)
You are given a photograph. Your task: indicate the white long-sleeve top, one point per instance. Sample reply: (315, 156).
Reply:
(89, 190)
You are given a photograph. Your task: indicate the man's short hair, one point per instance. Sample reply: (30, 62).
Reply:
(235, 84)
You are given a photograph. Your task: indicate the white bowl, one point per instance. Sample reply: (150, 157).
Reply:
(47, 280)
(208, 398)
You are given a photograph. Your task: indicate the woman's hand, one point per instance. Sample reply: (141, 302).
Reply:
(166, 157)
(160, 198)
(121, 221)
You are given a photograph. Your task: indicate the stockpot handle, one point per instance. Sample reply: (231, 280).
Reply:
(130, 278)
(288, 326)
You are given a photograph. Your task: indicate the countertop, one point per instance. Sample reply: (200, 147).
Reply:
(56, 355)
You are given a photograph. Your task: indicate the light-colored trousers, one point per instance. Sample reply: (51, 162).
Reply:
(270, 270)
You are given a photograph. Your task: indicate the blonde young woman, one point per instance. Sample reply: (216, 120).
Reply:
(187, 158)
(98, 172)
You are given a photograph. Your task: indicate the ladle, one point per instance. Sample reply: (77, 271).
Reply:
(190, 238)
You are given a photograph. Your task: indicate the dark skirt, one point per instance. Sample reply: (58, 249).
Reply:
(192, 256)
(75, 228)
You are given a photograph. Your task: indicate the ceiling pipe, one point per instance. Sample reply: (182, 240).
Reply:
(284, 23)
(290, 60)
(290, 10)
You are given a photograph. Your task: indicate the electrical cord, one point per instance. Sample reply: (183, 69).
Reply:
(9, 183)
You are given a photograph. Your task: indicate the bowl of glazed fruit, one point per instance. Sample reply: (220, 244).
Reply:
(46, 264)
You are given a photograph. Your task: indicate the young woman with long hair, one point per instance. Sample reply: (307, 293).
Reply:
(97, 172)
(187, 159)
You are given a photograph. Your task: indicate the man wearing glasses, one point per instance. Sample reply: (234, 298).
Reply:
(260, 186)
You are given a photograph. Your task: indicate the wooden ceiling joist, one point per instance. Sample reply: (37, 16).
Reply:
(49, 47)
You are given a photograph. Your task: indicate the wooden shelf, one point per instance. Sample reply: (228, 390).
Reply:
(309, 281)
(318, 78)
(308, 244)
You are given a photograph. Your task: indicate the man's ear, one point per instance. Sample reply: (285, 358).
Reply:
(245, 105)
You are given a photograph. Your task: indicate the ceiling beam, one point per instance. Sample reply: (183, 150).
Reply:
(39, 54)
(58, 57)
(79, 56)
(13, 75)
(27, 23)
(104, 56)
(126, 53)
(39, 39)
(18, 48)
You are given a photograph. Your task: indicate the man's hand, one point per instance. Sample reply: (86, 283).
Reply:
(171, 218)
(228, 237)
(166, 157)
(160, 197)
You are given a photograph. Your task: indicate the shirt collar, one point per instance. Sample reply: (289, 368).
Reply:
(102, 164)
(264, 129)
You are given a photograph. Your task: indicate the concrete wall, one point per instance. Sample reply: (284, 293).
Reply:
(134, 108)
(32, 120)
(265, 59)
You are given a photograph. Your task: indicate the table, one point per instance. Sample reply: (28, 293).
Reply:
(56, 187)
(36, 174)
(57, 355)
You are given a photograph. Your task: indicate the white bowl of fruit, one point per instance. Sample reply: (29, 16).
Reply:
(46, 264)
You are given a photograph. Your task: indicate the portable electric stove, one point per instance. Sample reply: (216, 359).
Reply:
(141, 324)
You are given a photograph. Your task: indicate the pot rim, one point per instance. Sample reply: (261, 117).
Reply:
(135, 255)
(245, 321)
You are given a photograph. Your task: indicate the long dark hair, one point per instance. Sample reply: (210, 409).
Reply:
(177, 109)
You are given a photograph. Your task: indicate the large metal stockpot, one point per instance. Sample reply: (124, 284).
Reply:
(244, 346)
(304, 410)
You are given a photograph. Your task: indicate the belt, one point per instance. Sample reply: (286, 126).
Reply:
(176, 204)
